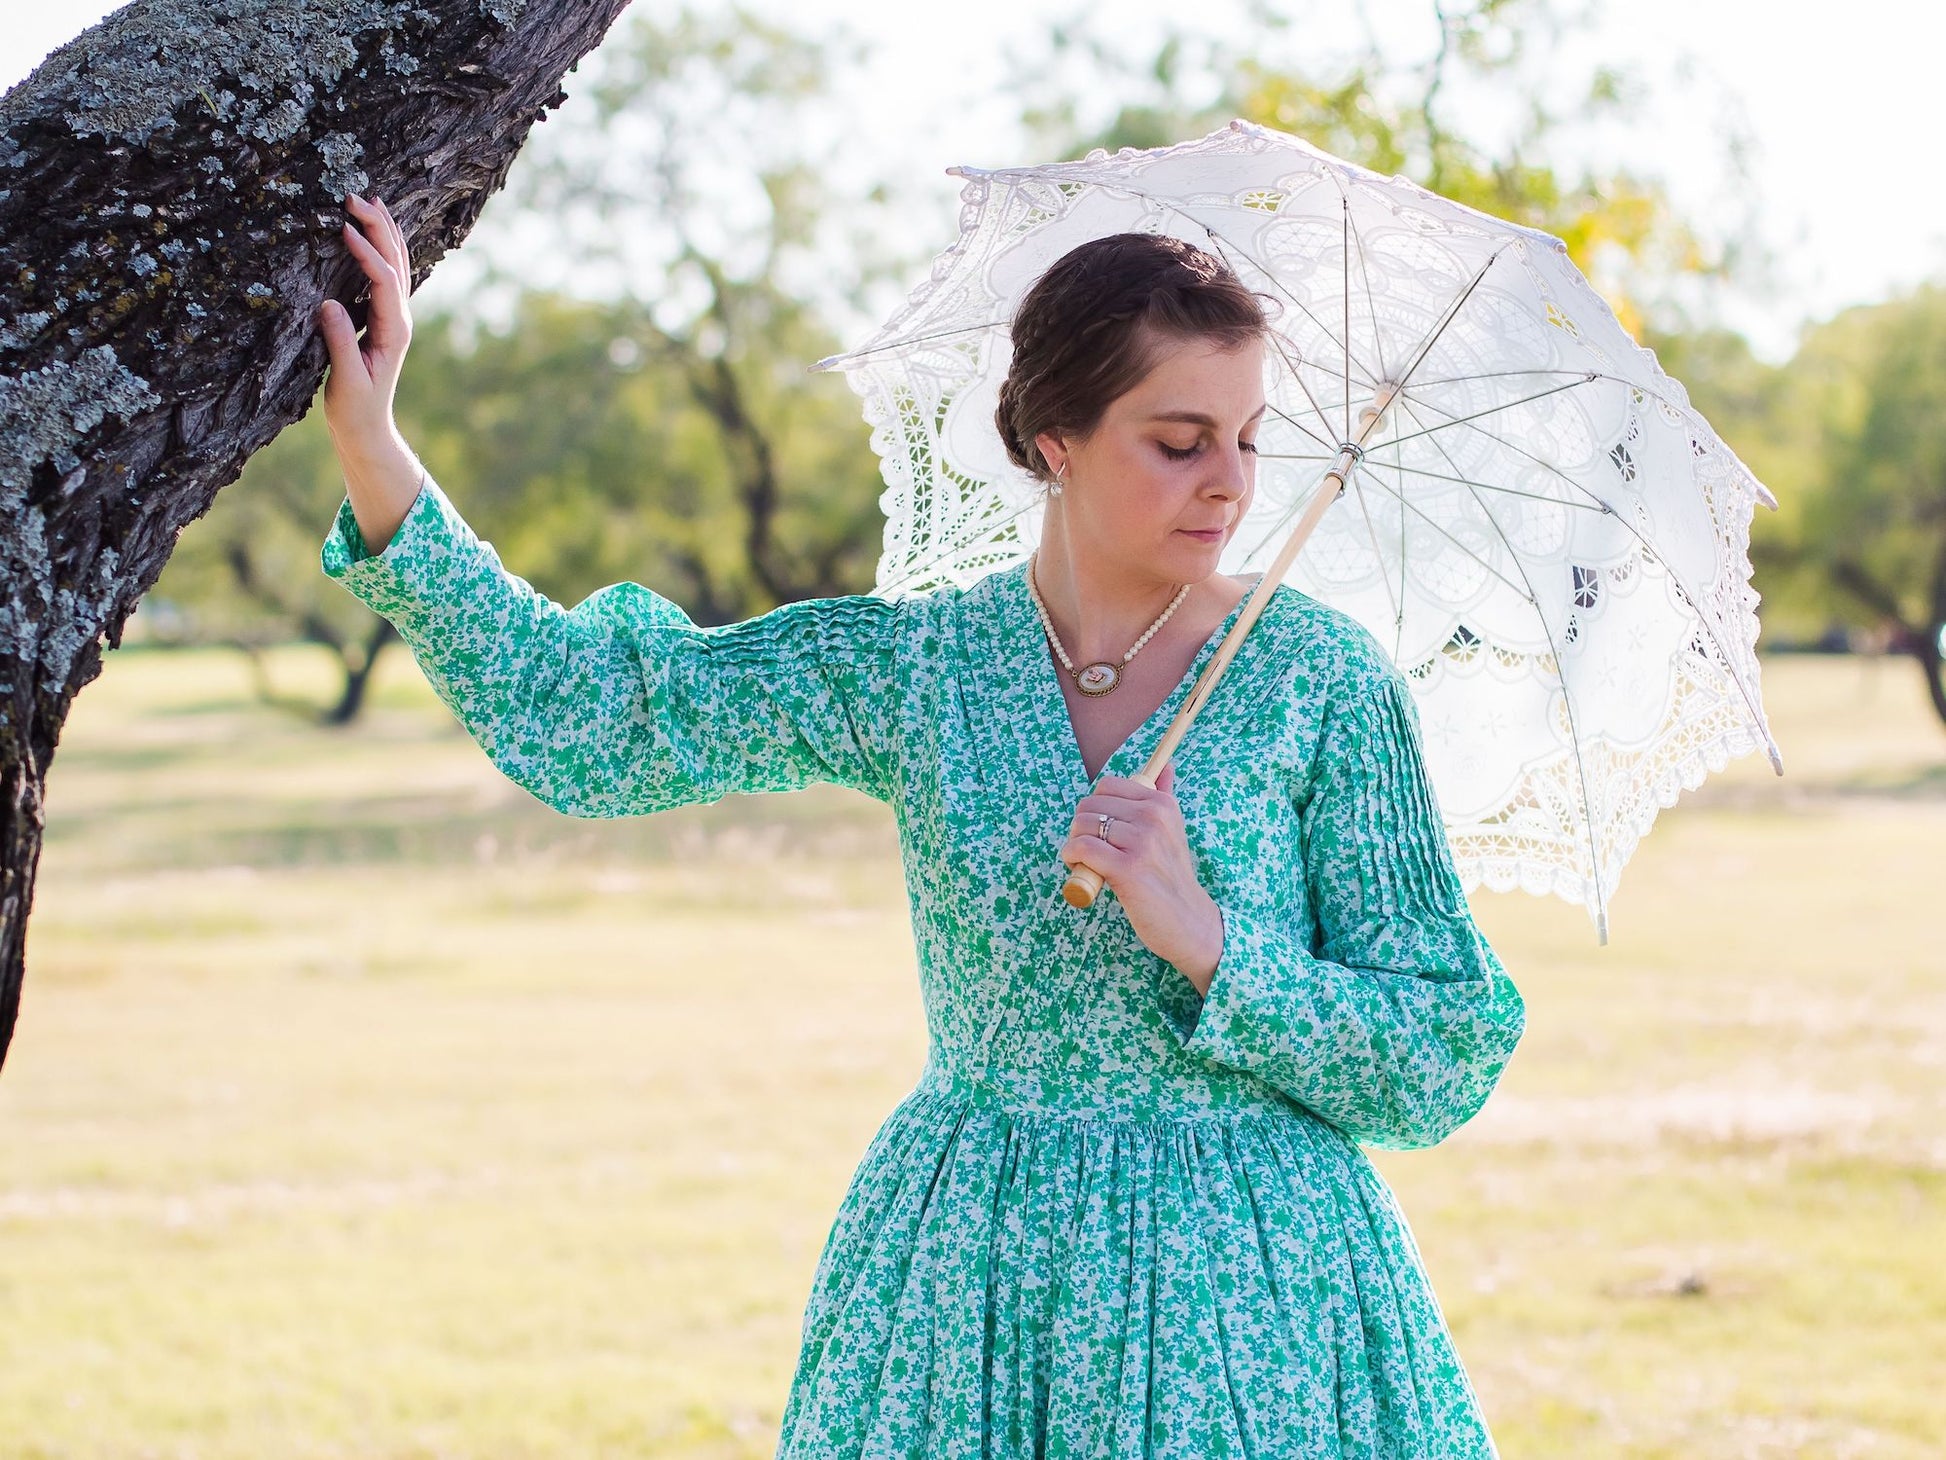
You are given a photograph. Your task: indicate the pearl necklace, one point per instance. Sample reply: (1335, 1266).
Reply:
(1101, 676)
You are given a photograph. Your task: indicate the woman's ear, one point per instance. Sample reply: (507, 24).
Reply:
(1053, 448)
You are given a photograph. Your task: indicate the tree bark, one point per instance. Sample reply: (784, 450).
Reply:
(171, 192)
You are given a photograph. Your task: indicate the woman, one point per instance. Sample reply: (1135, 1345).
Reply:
(1124, 1212)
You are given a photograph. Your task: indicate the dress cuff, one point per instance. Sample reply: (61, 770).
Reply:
(1249, 1002)
(344, 545)
(432, 542)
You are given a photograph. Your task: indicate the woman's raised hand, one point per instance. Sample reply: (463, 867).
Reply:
(381, 474)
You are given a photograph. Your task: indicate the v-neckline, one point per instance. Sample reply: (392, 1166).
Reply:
(1058, 723)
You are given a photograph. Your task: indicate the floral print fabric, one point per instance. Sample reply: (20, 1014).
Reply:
(1113, 1219)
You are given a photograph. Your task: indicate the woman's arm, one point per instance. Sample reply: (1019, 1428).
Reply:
(623, 705)
(1397, 1028)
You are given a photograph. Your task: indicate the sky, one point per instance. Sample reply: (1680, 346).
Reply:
(1838, 102)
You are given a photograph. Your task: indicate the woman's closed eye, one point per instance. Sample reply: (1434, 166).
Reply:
(1183, 453)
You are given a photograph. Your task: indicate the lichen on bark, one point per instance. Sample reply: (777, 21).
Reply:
(131, 75)
(43, 413)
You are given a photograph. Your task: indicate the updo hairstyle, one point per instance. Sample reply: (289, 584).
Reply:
(1091, 328)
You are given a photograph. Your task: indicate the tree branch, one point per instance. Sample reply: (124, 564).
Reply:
(169, 224)
(1857, 580)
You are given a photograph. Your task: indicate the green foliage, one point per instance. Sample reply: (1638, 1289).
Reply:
(698, 185)
(577, 443)
(1876, 527)
(589, 448)
(247, 574)
(1392, 116)
(1851, 436)
(276, 514)
(670, 433)
(1887, 471)
(1766, 414)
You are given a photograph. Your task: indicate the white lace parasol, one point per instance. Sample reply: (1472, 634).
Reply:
(1549, 540)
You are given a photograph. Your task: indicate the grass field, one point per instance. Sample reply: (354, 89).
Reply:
(362, 1107)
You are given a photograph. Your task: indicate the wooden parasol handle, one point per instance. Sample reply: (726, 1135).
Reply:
(1084, 883)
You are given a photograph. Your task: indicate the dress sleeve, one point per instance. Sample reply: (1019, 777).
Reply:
(1397, 1028)
(623, 705)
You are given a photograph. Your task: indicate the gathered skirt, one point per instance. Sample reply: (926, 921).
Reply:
(1000, 1285)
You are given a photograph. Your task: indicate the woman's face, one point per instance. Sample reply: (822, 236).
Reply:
(1162, 482)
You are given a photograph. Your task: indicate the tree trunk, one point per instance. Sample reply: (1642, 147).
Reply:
(171, 192)
(1920, 640)
(1933, 628)
(358, 666)
(1926, 650)
(356, 657)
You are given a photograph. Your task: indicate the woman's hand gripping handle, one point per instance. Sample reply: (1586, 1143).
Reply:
(1147, 860)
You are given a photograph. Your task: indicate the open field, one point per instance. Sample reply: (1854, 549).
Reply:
(362, 1107)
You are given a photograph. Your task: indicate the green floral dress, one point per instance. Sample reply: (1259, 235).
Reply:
(1113, 1219)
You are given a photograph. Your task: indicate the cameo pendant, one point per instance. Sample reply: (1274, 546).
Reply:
(1098, 678)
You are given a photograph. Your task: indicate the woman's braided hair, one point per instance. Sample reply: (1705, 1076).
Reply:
(1089, 328)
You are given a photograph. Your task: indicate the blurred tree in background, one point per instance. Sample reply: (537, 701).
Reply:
(666, 428)
(697, 188)
(1850, 433)
(671, 433)
(235, 578)
(1395, 114)
(1873, 526)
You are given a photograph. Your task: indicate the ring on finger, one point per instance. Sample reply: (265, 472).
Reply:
(1101, 828)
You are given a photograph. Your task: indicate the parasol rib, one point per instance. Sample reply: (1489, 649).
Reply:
(1707, 624)
(1297, 374)
(1489, 411)
(1408, 505)
(1567, 703)
(1397, 600)
(1227, 248)
(1371, 299)
(1596, 506)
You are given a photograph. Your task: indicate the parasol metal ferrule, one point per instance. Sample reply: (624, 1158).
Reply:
(1339, 472)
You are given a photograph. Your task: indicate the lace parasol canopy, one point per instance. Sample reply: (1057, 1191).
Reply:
(1547, 537)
